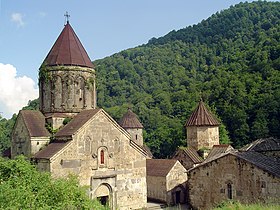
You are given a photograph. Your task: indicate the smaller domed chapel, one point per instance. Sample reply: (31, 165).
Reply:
(70, 135)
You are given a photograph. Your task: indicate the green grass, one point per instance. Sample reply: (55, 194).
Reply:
(235, 205)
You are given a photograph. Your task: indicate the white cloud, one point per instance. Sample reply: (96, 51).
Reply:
(15, 92)
(18, 19)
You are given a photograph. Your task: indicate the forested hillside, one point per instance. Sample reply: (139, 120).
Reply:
(231, 60)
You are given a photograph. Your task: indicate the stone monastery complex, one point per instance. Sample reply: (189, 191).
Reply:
(110, 157)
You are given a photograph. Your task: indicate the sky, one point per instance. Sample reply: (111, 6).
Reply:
(29, 28)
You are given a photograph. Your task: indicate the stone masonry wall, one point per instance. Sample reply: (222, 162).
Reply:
(202, 137)
(20, 139)
(136, 135)
(156, 187)
(100, 152)
(38, 143)
(209, 184)
(177, 176)
(67, 89)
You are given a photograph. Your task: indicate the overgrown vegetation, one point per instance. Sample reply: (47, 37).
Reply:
(230, 205)
(6, 127)
(23, 187)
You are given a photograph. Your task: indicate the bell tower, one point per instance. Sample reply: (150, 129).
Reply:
(67, 77)
(202, 129)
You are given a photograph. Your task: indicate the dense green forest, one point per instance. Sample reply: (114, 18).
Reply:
(231, 60)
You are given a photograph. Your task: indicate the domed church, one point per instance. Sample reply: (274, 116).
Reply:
(70, 135)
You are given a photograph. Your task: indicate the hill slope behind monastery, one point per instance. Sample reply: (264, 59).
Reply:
(231, 60)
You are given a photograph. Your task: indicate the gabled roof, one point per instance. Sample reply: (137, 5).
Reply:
(266, 163)
(219, 149)
(35, 123)
(68, 50)
(191, 153)
(263, 145)
(130, 120)
(159, 167)
(77, 122)
(52, 149)
(201, 117)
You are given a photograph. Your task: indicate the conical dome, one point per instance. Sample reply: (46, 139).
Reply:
(202, 117)
(130, 120)
(68, 50)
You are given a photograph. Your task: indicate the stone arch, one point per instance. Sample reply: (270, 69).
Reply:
(104, 194)
(80, 97)
(179, 194)
(57, 88)
(87, 145)
(229, 190)
(117, 145)
(68, 92)
(47, 92)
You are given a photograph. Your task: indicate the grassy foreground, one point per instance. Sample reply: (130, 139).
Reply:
(235, 205)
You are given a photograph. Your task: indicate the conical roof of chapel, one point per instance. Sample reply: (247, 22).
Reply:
(68, 50)
(130, 120)
(202, 117)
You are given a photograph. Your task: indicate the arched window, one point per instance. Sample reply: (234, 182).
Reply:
(102, 157)
(229, 191)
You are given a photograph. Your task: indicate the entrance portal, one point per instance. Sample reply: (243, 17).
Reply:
(178, 197)
(103, 194)
(104, 200)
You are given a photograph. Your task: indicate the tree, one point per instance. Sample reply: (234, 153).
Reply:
(23, 187)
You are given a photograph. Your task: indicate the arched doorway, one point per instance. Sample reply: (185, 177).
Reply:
(179, 194)
(103, 194)
(229, 191)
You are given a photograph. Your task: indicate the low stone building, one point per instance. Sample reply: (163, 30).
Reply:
(29, 134)
(166, 181)
(246, 176)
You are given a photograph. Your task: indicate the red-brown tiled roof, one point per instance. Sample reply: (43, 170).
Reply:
(77, 122)
(159, 167)
(202, 117)
(130, 120)
(68, 50)
(35, 123)
(51, 150)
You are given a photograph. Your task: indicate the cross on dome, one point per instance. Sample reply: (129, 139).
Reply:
(67, 16)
